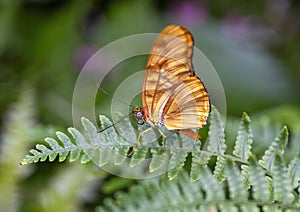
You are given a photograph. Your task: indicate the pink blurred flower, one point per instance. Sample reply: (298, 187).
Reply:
(95, 63)
(83, 54)
(188, 13)
(247, 28)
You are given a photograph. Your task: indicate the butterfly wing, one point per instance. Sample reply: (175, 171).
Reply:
(170, 88)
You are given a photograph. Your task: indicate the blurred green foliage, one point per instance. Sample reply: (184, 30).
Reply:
(253, 45)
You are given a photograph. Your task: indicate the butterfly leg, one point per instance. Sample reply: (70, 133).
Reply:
(164, 137)
(138, 141)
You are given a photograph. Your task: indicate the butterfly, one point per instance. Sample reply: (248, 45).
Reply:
(172, 95)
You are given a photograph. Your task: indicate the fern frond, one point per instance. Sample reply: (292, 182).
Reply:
(281, 181)
(16, 132)
(244, 140)
(237, 186)
(127, 137)
(183, 195)
(111, 147)
(178, 156)
(216, 136)
(219, 171)
(76, 181)
(250, 185)
(138, 156)
(258, 180)
(228, 207)
(294, 170)
(214, 191)
(159, 159)
(198, 160)
(81, 143)
(42, 152)
(245, 174)
(277, 146)
(189, 191)
(271, 208)
(176, 162)
(120, 153)
(215, 143)
(250, 208)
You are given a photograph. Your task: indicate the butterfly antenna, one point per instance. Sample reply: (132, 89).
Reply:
(104, 91)
(115, 123)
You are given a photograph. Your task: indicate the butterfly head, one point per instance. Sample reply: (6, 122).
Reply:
(139, 115)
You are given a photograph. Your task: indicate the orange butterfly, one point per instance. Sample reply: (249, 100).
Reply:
(173, 96)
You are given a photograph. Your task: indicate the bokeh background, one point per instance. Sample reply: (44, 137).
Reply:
(254, 46)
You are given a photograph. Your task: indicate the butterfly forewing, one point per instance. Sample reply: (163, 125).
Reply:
(170, 88)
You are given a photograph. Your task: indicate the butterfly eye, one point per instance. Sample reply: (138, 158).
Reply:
(139, 115)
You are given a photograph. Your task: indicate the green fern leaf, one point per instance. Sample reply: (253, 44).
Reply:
(271, 208)
(198, 160)
(219, 172)
(75, 154)
(109, 206)
(228, 207)
(282, 182)
(67, 145)
(179, 155)
(127, 137)
(85, 159)
(79, 141)
(115, 142)
(216, 136)
(140, 153)
(126, 130)
(176, 162)
(244, 139)
(42, 148)
(214, 191)
(53, 143)
(177, 195)
(245, 174)
(159, 159)
(172, 192)
(182, 195)
(104, 155)
(249, 207)
(99, 155)
(138, 156)
(35, 157)
(65, 140)
(91, 130)
(258, 180)
(56, 148)
(190, 191)
(294, 170)
(108, 136)
(120, 154)
(236, 183)
(215, 143)
(74, 151)
(207, 207)
(153, 192)
(277, 146)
